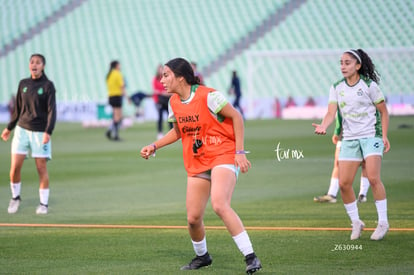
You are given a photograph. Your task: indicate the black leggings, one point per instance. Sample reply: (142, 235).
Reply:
(161, 109)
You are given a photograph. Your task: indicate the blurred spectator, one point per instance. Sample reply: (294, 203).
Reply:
(290, 102)
(161, 98)
(310, 102)
(137, 99)
(278, 108)
(236, 90)
(197, 73)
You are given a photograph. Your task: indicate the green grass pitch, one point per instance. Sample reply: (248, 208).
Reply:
(95, 181)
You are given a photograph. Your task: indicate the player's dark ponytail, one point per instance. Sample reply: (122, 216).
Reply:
(182, 67)
(112, 66)
(367, 67)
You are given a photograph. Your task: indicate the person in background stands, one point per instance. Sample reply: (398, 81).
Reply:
(161, 98)
(236, 90)
(290, 102)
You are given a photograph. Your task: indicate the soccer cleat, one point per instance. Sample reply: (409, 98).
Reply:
(41, 209)
(380, 231)
(198, 262)
(14, 205)
(362, 198)
(252, 263)
(357, 227)
(325, 198)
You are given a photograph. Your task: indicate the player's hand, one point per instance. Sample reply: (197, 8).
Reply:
(319, 130)
(242, 162)
(46, 138)
(387, 144)
(147, 151)
(5, 134)
(335, 139)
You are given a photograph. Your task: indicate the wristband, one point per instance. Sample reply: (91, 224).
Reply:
(155, 147)
(242, 152)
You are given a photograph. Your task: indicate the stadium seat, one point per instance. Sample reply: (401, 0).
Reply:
(141, 35)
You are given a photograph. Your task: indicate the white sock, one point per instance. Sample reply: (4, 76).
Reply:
(243, 243)
(200, 248)
(352, 210)
(364, 186)
(44, 196)
(15, 189)
(382, 210)
(333, 187)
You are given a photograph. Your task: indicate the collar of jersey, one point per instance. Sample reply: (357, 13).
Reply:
(192, 94)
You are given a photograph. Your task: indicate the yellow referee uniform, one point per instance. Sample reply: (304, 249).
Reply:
(115, 83)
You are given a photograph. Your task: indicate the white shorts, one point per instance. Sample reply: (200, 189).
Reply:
(25, 140)
(207, 174)
(360, 149)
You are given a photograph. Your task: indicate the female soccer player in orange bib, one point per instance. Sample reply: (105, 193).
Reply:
(212, 134)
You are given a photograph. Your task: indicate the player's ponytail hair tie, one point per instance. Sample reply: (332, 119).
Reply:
(355, 54)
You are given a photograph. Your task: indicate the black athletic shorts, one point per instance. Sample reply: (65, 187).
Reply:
(115, 101)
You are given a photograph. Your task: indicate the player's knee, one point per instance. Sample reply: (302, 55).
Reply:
(374, 181)
(220, 208)
(194, 220)
(345, 185)
(42, 171)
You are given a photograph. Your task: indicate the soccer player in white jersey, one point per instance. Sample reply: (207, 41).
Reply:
(365, 121)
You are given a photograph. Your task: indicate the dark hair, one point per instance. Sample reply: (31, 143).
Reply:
(40, 56)
(181, 67)
(367, 67)
(112, 66)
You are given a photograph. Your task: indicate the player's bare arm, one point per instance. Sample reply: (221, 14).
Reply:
(172, 136)
(238, 126)
(320, 129)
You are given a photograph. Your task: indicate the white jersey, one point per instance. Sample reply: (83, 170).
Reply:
(215, 102)
(357, 108)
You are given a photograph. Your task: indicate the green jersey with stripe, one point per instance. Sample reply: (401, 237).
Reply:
(357, 108)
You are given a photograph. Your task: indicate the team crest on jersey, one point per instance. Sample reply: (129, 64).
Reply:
(360, 92)
(342, 104)
(24, 89)
(40, 91)
(342, 93)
